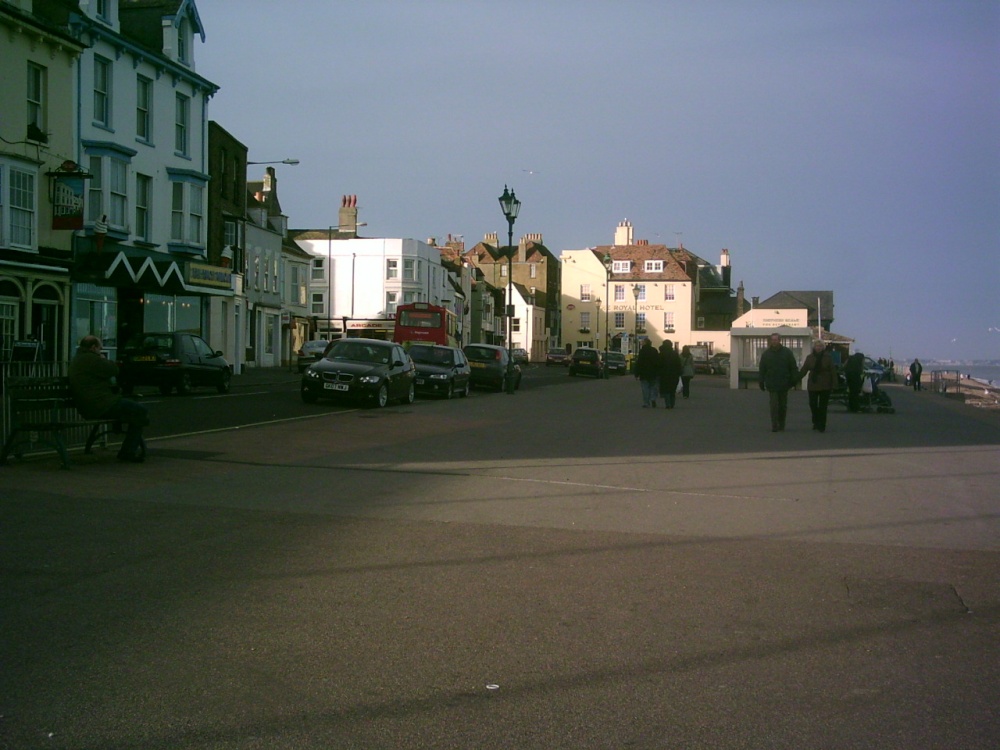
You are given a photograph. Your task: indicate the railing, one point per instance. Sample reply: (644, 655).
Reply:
(954, 384)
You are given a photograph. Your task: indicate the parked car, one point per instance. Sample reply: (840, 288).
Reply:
(557, 357)
(615, 362)
(489, 366)
(311, 351)
(520, 356)
(719, 364)
(586, 361)
(171, 360)
(366, 370)
(441, 370)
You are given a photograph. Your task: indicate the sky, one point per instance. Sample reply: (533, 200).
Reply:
(849, 145)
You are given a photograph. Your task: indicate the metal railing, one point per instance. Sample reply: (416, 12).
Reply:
(953, 383)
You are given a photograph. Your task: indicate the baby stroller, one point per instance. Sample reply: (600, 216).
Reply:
(872, 397)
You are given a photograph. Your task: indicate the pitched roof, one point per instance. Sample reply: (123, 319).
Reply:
(678, 264)
(796, 299)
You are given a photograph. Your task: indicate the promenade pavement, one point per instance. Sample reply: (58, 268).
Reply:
(555, 569)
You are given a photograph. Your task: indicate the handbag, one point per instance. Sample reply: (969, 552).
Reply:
(866, 386)
(680, 387)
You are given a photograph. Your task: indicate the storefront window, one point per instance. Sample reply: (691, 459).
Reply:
(164, 313)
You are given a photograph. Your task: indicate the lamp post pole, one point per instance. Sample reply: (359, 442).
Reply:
(635, 293)
(607, 309)
(510, 206)
(329, 288)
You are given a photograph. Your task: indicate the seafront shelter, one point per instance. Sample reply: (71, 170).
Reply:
(749, 337)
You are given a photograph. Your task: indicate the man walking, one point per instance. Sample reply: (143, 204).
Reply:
(647, 370)
(822, 379)
(916, 370)
(778, 373)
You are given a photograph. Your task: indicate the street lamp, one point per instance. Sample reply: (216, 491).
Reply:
(283, 161)
(636, 289)
(510, 206)
(607, 302)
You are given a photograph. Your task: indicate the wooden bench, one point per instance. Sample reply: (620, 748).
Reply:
(41, 412)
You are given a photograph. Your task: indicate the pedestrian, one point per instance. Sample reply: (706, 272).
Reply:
(916, 370)
(822, 379)
(91, 380)
(854, 373)
(647, 371)
(670, 373)
(687, 371)
(778, 373)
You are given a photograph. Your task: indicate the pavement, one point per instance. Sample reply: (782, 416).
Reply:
(554, 569)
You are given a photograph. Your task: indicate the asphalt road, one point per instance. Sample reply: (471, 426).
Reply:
(555, 569)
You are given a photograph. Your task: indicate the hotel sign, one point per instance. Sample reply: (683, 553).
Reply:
(202, 274)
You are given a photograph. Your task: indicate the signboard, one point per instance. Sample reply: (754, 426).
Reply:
(202, 274)
(25, 351)
(67, 201)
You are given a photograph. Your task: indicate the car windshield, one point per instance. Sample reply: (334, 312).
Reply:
(482, 354)
(590, 356)
(616, 357)
(152, 341)
(429, 355)
(355, 351)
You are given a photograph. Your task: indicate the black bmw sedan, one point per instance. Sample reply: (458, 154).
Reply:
(366, 370)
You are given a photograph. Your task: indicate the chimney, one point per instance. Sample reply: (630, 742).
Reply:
(348, 216)
(741, 300)
(623, 234)
(726, 269)
(270, 180)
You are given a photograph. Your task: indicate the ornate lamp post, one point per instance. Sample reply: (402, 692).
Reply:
(636, 289)
(510, 206)
(607, 302)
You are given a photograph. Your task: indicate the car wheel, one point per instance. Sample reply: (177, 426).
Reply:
(383, 396)
(225, 382)
(450, 390)
(184, 384)
(308, 397)
(502, 388)
(464, 393)
(411, 394)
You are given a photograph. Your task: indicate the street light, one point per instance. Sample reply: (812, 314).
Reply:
(636, 288)
(607, 303)
(283, 161)
(510, 206)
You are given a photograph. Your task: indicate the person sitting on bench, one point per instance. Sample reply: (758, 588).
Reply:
(91, 379)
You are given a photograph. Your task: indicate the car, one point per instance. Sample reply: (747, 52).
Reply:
(441, 370)
(310, 351)
(171, 360)
(520, 356)
(557, 357)
(369, 371)
(615, 362)
(718, 364)
(586, 361)
(489, 365)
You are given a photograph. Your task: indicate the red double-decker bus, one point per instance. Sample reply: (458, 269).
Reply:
(424, 323)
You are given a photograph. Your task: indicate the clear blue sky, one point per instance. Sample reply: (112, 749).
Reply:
(851, 145)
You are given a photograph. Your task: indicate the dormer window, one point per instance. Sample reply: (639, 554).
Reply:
(101, 7)
(183, 46)
(654, 266)
(621, 266)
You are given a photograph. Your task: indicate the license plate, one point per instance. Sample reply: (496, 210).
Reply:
(477, 364)
(420, 381)
(336, 386)
(144, 358)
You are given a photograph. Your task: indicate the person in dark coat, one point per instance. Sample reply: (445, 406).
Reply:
(670, 373)
(916, 370)
(854, 372)
(821, 382)
(778, 373)
(647, 371)
(91, 380)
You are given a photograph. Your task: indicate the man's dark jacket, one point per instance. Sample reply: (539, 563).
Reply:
(778, 369)
(90, 380)
(647, 364)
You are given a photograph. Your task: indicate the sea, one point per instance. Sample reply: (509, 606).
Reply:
(981, 372)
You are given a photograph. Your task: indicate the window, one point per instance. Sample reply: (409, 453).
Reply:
(619, 292)
(533, 270)
(182, 119)
(585, 320)
(143, 106)
(36, 103)
(390, 303)
(392, 268)
(318, 269)
(619, 320)
(515, 325)
(95, 189)
(18, 210)
(668, 292)
(409, 298)
(585, 292)
(182, 41)
(640, 321)
(621, 266)
(409, 269)
(102, 9)
(503, 270)
(298, 284)
(102, 92)
(640, 290)
(317, 307)
(143, 186)
(654, 266)
(186, 213)
(668, 321)
(700, 322)
(229, 236)
(117, 193)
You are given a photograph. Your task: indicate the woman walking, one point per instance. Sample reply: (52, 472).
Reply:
(687, 371)
(822, 379)
(670, 373)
